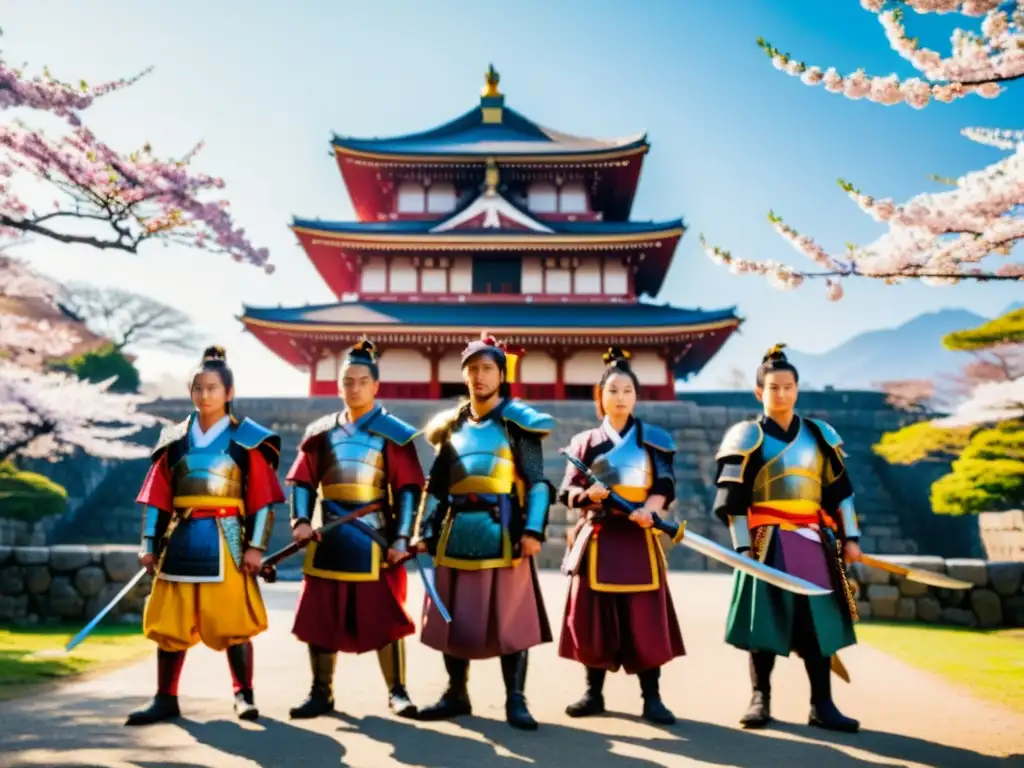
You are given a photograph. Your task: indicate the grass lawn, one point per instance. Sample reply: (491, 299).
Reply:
(989, 663)
(107, 647)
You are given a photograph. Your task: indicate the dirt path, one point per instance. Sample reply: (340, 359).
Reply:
(909, 718)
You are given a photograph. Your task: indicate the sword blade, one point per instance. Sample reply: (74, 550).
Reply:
(430, 587)
(840, 669)
(88, 628)
(921, 576)
(755, 568)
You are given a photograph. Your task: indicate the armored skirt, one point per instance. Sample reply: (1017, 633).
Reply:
(495, 611)
(765, 618)
(351, 600)
(201, 592)
(619, 612)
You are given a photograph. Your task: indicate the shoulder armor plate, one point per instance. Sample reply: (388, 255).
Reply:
(440, 424)
(172, 433)
(741, 439)
(251, 435)
(385, 424)
(828, 433)
(528, 418)
(657, 438)
(318, 427)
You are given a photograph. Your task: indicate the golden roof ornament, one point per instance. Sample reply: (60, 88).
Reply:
(491, 78)
(491, 176)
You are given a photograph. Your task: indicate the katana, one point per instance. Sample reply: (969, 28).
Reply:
(920, 575)
(88, 628)
(679, 535)
(428, 582)
(267, 567)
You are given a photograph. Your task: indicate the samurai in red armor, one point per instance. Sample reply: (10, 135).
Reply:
(484, 519)
(208, 502)
(619, 613)
(354, 587)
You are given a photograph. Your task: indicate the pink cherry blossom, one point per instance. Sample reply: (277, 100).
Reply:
(137, 196)
(50, 415)
(978, 64)
(989, 403)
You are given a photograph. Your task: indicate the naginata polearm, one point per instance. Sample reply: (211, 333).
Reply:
(679, 535)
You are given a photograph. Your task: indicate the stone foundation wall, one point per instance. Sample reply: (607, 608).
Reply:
(996, 600)
(1002, 534)
(40, 585)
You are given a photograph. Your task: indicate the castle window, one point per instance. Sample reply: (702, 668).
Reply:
(434, 280)
(559, 281)
(572, 198)
(497, 275)
(411, 197)
(441, 197)
(543, 197)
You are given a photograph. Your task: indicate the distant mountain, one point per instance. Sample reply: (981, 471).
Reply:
(910, 351)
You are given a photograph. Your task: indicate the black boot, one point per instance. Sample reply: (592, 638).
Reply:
(240, 662)
(455, 700)
(513, 669)
(592, 702)
(392, 664)
(321, 695)
(759, 713)
(655, 710)
(165, 703)
(824, 713)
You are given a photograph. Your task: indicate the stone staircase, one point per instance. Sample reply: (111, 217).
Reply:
(109, 514)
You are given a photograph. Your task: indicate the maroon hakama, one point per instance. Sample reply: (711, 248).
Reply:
(509, 605)
(356, 616)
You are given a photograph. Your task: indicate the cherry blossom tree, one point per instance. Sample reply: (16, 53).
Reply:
(939, 238)
(110, 199)
(50, 415)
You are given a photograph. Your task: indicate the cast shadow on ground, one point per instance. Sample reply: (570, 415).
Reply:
(555, 746)
(271, 744)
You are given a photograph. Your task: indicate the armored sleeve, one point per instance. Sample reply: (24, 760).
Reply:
(262, 491)
(434, 504)
(739, 460)
(837, 497)
(529, 456)
(157, 498)
(405, 476)
(664, 477)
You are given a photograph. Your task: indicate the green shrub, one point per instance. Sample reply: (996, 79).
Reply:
(988, 476)
(28, 496)
(100, 365)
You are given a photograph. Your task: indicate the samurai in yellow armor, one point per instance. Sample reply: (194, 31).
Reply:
(785, 494)
(208, 501)
(354, 584)
(484, 518)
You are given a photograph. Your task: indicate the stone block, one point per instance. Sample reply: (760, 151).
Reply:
(13, 608)
(90, 580)
(64, 600)
(974, 571)
(12, 581)
(1013, 611)
(911, 588)
(883, 599)
(867, 575)
(31, 555)
(987, 606)
(959, 617)
(121, 565)
(69, 557)
(864, 609)
(37, 579)
(1006, 578)
(906, 609)
(929, 609)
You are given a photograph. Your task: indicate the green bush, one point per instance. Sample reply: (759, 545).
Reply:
(988, 476)
(100, 365)
(27, 496)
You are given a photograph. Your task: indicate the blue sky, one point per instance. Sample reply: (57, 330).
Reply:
(265, 84)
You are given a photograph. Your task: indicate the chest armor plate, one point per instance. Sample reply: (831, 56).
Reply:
(626, 469)
(481, 459)
(207, 475)
(352, 465)
(792, 471)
